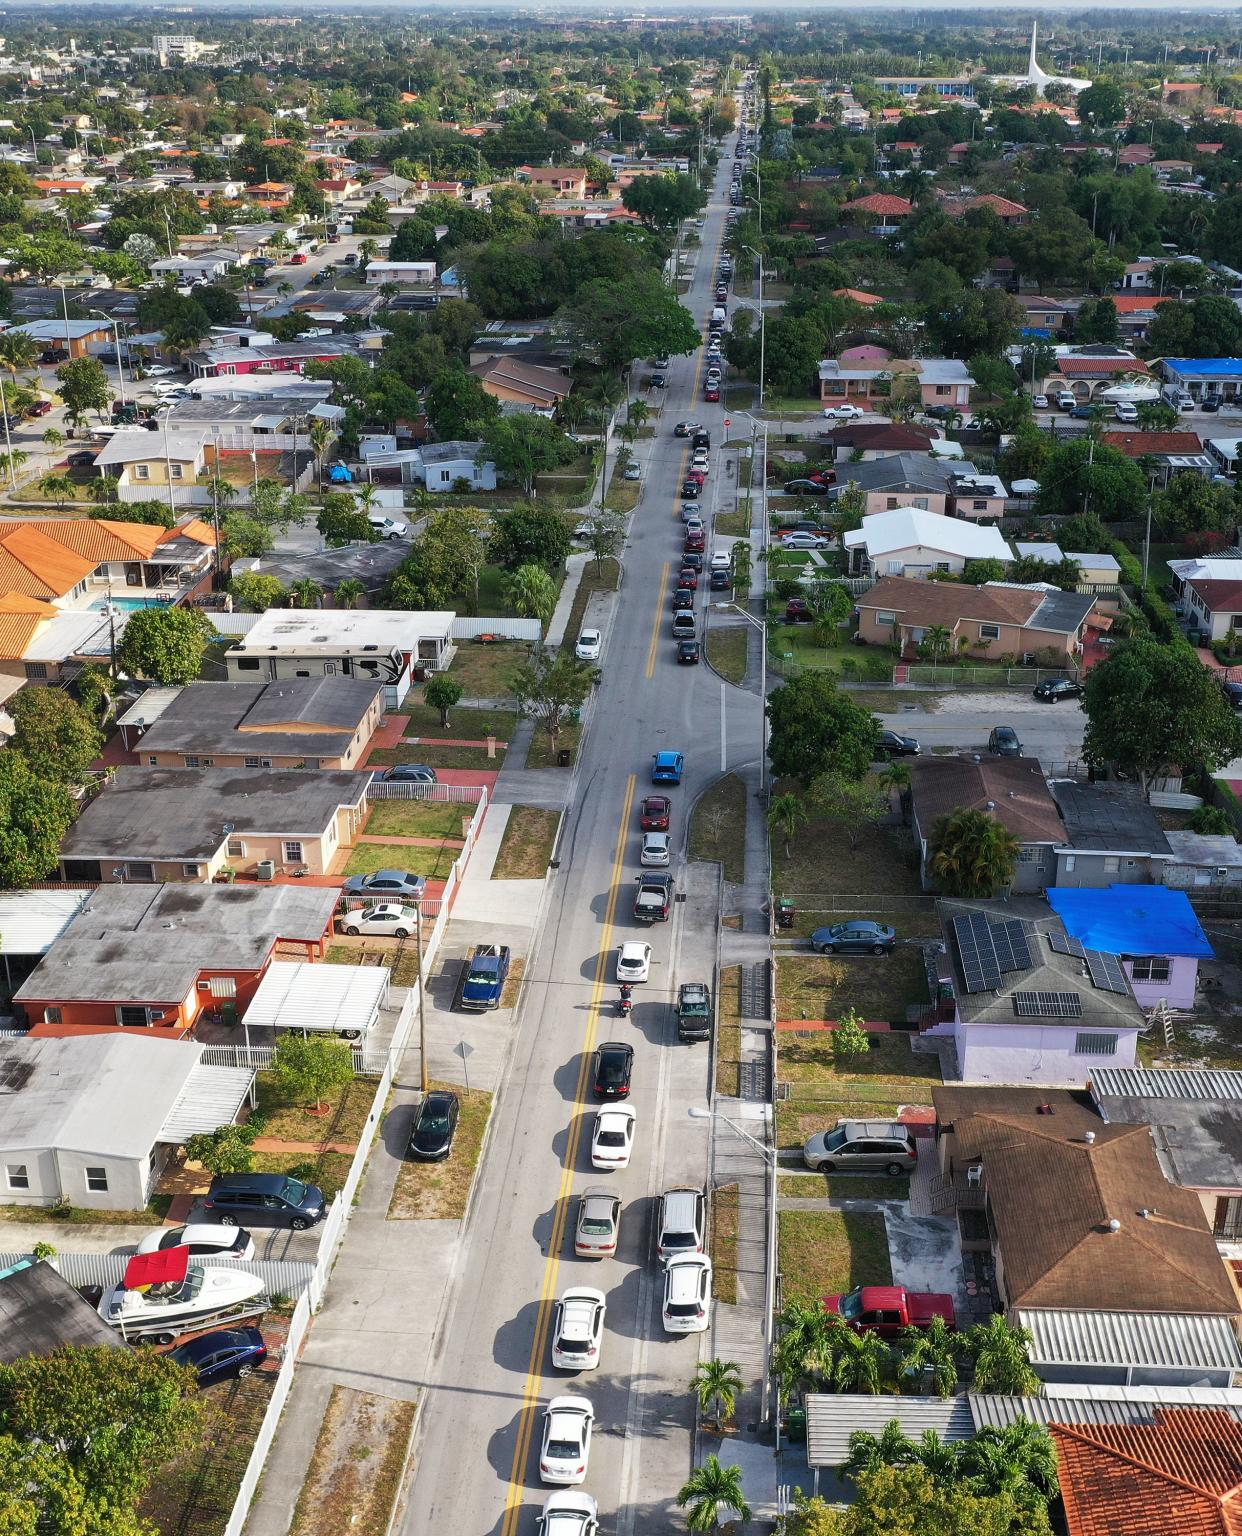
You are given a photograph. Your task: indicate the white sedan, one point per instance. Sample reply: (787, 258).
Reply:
(578, 1329)
(633, 961)
(389, 920)
(842, 413)
(569, 1514)
(687, 1293)
(389, 527)
(590, 644)
(566, 1447)
(203, 1239)
(612, 1140)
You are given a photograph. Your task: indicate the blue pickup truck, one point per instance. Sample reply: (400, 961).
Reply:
(485, 977)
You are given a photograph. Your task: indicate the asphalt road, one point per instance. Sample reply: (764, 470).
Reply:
(477, 1462)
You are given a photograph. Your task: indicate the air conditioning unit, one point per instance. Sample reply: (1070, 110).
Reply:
(266, 869)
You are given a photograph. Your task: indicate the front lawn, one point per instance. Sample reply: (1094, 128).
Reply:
(417, 818)
(843, 1186)
(878, 987)
(821, 861)
(793, 646)
(464, 724)
(718, 826)
(541, 754)
(329, 1170)
(808, 1059)
(527, 844)
(734, 524)
(437, 756)
(825, 1253)
(435, 863)
(484, 670)
(440, 1190)
(287, 1119)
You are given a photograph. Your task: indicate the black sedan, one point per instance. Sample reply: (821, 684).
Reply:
(688, 653)
(806, 488)
(1053, 689)
(1233, 692)
(690, 489)
(891, 744)
(612, 1068)
(83, 458)
(223, 1355)
(434, 1127)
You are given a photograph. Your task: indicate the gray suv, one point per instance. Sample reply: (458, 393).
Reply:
(862, 1146)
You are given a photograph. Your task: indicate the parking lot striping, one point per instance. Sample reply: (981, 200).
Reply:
(534, 1372)
(659, 614)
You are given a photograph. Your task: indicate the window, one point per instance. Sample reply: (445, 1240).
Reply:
(1095, 1045)
(191, 761)
(142, 874)
(236, 849)
(943, 565)
(989, 631)
(246, 663)
(942, 389)
(446, 477)
(142, 471)
(250, 762)
(132, 1015)
(895, 567)
(97, 1180)
(329, 669)
(1150, 967)
(888, 619)
(36, 671)
(978, 506)
(18, 1176)
(153, 761)
(1030, 855)
(191, 871)
(174, 471)
(293, 853)
(52, 1016)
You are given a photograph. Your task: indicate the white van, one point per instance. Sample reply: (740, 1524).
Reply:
(718, 315)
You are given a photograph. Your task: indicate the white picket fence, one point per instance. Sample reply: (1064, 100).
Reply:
(400, 789)
(298, 1325)
(284, 1277)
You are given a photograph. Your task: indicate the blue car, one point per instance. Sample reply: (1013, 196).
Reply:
(222, 1355)
(667, 767)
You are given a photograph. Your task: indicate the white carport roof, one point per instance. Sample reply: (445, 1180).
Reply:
(831, 1418)
(212, 1096)
(32, 921)
(299, 995)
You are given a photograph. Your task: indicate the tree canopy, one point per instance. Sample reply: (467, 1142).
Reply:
(816, 730)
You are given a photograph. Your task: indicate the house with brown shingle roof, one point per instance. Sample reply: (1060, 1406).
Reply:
(1010, 790)
(993, 620)
(506, 378)
(1179, 1476)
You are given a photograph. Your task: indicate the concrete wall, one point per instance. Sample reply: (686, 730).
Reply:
(1094, 871)
(56, 1174)
(1034, 1053)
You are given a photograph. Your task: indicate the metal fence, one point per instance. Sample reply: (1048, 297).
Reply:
(936, 674)
(510, 628)
(285, 1277)
(397, 789)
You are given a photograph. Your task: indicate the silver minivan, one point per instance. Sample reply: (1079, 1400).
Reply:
(683, 624)
(862, 1146)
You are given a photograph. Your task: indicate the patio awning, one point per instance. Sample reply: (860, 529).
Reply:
(297, 994)
(212, 1097)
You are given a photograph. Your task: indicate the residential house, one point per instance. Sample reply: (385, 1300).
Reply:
(1093, 1247)
(1181, 1474)
(1010, 790)
(41, 644)
(206, 267)
(1135, 312)
(1009, 213)
(324, 723)
(1213, 605)
(508, 379)
(441, 465)
(390, 646)
(1195, 1117)
(281, 357)
(1131, 156)
(406, 274)
(1153, 932)
(910, 542)
(1199, 376)
(994, 620)
(561, 180)
(92, 1122)
(189, 824)
(338, 190)
(397, 191)
(862, 441)
(866, 375)
(1094, 570)
(143, 461)
(82, 563)
(1112, 837)
(1085, 371)
(77, 337)
(1163, 454)
(930, 484)
(268, 424)
(40, 1312)
(1225, 454)
(858, 296)
(1201, 861)
(883, 213)
(1044, 317)
(155, 957)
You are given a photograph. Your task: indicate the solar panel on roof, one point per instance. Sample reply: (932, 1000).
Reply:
(1016, 933)
(1106, 972)
(1066, 944)
(976, 952)
(1047, 1005)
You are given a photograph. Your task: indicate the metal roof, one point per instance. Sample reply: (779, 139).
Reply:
(831, 1418)
(1202, 1085)
(297, 995)
(1174, 1340)
(212, 1096)
(32, 921)
(147, 709)
(1084, 1404)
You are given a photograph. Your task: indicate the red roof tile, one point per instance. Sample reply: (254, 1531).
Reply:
(1220, 596)
(1135, 444)
(882, 202)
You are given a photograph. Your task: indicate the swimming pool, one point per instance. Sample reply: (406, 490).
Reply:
(127, 604)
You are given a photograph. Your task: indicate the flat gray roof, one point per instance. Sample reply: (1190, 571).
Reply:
(371, 564)
(40, 1311)
(312, 716)
(831, 1418)
(150, 943)
(180, 813)
(1108, 818)
(1195, 1119)
(1062, 612)
(1075, 1403)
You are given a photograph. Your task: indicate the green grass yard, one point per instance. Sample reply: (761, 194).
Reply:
(435, 863)
(824, 1253)
(417, 818)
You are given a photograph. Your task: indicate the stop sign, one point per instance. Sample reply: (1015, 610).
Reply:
(728, 421)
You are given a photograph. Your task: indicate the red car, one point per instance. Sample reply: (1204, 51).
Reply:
(694, 542)
(711, 394)
(797, 612)
(299, 260)
(653, 813)
(40, 408)
(696, 475)
(688, 577)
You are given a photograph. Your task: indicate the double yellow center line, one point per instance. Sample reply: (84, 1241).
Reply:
(547, 1295)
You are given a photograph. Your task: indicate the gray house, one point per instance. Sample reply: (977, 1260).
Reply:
(1012, 790)
(1112, 837)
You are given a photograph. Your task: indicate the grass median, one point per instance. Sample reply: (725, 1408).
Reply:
(597, 576)
(729, 1032)
(440, 1191)
(718, 826)
(526, 846)
(726, 650)
(725, 1220)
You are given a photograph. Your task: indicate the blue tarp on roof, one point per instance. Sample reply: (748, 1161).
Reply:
(1221, 367)
(1132, 920)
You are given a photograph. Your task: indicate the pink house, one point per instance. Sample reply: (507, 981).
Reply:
(870, 373)
(1151, 930)
(281, 357)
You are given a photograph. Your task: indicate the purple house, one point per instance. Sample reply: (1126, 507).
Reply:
(1025, 1002)
(1151, 929)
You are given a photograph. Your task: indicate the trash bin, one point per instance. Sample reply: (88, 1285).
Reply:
(564, 757)
(795, 1426)
(785, 911)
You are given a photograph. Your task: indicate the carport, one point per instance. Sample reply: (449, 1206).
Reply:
(342, 1000)
(211, 1097)
(30, 923)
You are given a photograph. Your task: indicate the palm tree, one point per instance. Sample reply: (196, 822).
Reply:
(786, 814)
(805, 1346)
(894, 775)
(367, 496)
(1000, 1460)
(936, 640)
(937, 1458)
(13, 461)
(861, 1359)
(320, 440)
(710, 1489)
(102, 491)
(531, 593)
(892, 1447)
(17, 351)
(639, 412)
(930, 1350)
(53, 438)
(348, 592)
(57, 488)
(717, 1384)
(1002, 1361)
(972, 855)
(305, 593)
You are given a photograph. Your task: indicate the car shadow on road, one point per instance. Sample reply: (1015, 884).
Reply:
(500, 1451)
(511, 1346)
(585, 1121)
(398, 1123)
(567, 1077)
(623, 1318)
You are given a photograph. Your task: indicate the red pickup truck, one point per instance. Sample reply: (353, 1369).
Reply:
(887, 1309)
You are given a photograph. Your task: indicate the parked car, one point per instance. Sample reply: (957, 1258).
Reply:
(485, 978)
(860, 937)
(683, 597)
(1003, 742)
(1210, 403)
(862, 1146)
(654, 813)
(688, 653)
(1084, 413)
(654, 853)
(889, 1309)
(566, 1447)
(806, 487)
(599, 1223)
(222, 1355)
(435, 1125)
(842, 413)
(202, 1240)
(797, 611)
(658, 381)
(82, 458)
(687, 1293)
(720, 580)
(893, 744)
(688, 578)
(388, 527)
(410, 773)
(386, 882)
(689, 488)
(1039, 402)
(1126, 410)
(612, 1139)
(683, 624)
(633, 961)
(1053, 689)
(272, 1198)
(797, 540)
(1233, 692)
(53, 355)
(612, 1066)
(633, 472)
(578, 1329)
(590, 644)
(40, 408)
(681, 1224)
(390, 920)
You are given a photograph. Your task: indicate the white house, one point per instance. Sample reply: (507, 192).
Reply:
(205, 267)
(911, 542)
(404, 273)
(441, 465)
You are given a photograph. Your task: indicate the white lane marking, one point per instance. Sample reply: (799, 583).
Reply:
(723, 687)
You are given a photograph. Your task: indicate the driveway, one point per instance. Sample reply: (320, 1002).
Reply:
(962, 722)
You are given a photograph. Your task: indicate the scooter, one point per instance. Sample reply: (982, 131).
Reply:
(626, 1001)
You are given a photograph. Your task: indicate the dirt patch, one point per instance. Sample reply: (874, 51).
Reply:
(356, 1469)
(439, 1191)
(527, 843)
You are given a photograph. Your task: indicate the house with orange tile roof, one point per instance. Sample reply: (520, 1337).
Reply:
(1178, 1476)
(74, 563)
(859, 296)
(881, 212)
(561, 180)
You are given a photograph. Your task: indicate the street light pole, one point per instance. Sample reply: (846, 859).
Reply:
(769, 1157)
(172, 504)
(762, 323)
(116, 333)
(424, 1074)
